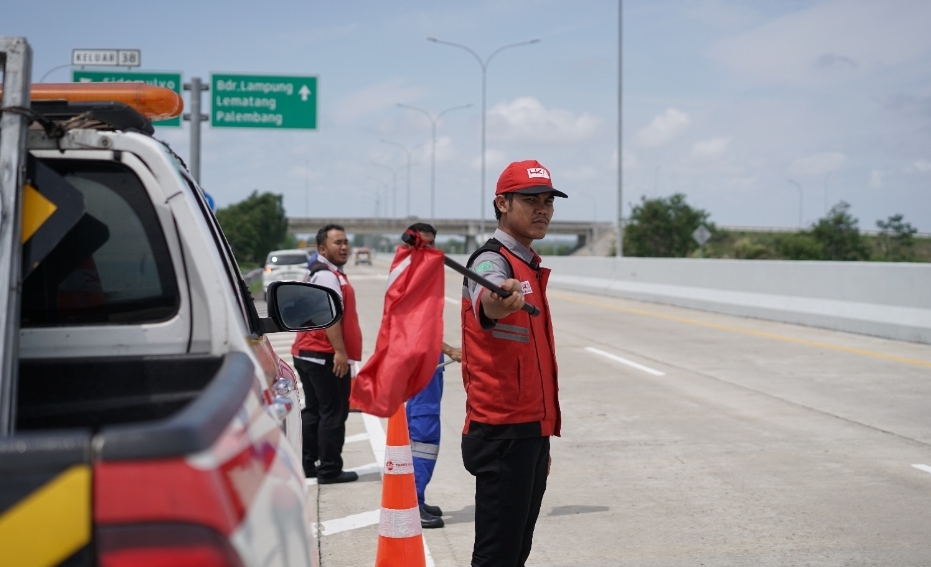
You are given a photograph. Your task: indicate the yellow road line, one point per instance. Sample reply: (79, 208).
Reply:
(745, 331)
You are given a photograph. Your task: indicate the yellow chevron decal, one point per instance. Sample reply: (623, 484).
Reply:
(49, 525)
(36, 210)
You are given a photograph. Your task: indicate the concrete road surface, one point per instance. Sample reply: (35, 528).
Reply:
(689, 438)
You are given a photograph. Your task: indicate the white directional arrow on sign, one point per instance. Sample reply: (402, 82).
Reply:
(304, 92)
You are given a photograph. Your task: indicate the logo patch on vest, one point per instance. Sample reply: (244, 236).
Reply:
(483, 267)
(525, 288)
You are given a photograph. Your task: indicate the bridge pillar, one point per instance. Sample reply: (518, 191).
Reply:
(470, 238)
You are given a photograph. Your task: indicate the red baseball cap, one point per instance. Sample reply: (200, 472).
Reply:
(527, 177)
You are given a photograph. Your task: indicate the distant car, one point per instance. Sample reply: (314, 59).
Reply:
(285, 265)
(363, 256)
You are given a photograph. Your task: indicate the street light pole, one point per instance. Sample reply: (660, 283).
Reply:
(379, 194)
(484, 65)
(410, 152)
(619, 245)
(433, 121)
(50, 71)
(800, 201)
(394, 193)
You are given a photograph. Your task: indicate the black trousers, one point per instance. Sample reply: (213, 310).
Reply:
(323, 420)
(510, 479)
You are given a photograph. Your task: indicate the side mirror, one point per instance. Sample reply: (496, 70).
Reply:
(298, 306)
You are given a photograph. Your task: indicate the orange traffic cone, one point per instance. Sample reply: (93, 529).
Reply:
(400, 539)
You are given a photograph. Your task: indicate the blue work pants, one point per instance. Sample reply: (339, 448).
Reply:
(423, 421)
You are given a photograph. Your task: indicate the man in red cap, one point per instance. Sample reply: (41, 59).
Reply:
(509, 371)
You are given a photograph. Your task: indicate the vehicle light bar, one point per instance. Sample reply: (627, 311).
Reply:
(155, 103)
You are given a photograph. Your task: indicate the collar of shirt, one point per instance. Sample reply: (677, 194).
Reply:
(516, 248)
(329, 263)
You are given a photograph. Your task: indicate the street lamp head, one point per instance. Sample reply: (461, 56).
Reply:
(433, 39)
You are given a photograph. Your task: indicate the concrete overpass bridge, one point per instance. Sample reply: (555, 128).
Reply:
(586, 232)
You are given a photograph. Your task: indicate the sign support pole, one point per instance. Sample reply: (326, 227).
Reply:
(16, 61)
(195, 117)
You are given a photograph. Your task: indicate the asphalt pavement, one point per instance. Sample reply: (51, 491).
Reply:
(689, 438)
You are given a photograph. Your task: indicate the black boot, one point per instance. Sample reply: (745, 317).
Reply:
(433, 510)
(429, 521)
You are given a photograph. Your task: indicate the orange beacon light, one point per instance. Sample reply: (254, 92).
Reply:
(155, 103)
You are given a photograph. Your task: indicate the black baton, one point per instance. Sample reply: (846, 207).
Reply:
(532, 309)
(409, 238)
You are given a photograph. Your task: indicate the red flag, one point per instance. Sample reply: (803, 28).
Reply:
(411, 334)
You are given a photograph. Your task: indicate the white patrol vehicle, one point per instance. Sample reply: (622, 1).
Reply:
(144, 416)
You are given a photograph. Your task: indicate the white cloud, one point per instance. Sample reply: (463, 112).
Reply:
(630, 160)
(320, 35)
(826, 41)
(305, 172)
(373, 98)
(665, 128)
(581, 173)
(494, 159)
(444, 149)
(923, 165)
(876, 179)
(526, 119)
(818, 164)
(712, 149)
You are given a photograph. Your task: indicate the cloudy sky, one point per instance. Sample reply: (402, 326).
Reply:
(724, 100)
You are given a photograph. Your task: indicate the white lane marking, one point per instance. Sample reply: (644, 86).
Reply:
(453, 301)
(426, 552)
(360, 470)
(377, 437)
(352, 522)
(356, 438)
(631, 363)
(925, 468)
(379, 441)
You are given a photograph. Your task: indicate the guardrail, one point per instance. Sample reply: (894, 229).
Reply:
(890, 300)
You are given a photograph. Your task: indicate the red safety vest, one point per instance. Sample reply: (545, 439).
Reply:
(509, 371)
(317, 341)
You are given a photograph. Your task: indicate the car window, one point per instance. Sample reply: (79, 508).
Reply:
(244, 299)
(286, 259)
(114, 266)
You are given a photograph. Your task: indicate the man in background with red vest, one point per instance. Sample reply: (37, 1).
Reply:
(509, 371)
(322, 360)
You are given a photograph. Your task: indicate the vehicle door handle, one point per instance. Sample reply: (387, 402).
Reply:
(280, 407)
(283, 386)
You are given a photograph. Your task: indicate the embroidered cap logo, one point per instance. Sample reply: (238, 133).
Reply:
(537, 172)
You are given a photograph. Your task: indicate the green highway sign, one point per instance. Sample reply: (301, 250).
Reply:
(168, 80)
(263, 101)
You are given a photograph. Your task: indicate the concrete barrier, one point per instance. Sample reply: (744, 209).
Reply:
(891, 300)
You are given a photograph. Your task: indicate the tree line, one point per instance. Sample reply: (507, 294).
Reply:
(662, 227)
(254, 227)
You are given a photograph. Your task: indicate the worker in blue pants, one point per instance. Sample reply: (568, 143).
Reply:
(423, 417)
(423, 420)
